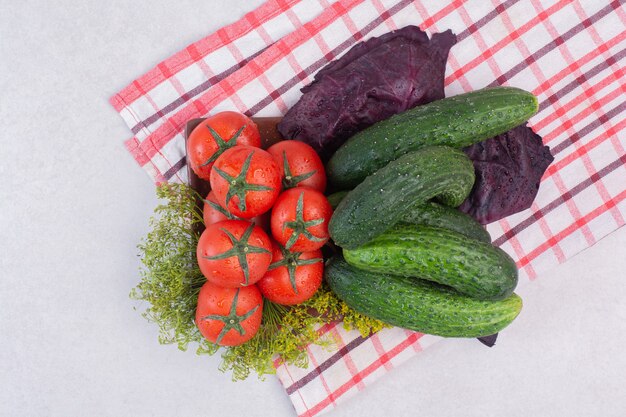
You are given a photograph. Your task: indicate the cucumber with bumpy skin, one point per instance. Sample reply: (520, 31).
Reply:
(379, 202)
(473, 268)
(457, 121)
(418, 305)
(433, 214)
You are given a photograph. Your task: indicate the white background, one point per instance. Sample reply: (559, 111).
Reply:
(73, 205)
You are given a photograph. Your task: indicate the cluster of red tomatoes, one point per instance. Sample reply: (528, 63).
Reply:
(266, 220)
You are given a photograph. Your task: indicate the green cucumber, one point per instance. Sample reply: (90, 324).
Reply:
(418, 305)
(454, 121)
(379, 202)
(473, 268)
(433, 214)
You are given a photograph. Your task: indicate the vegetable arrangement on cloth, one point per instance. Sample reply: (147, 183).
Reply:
(398, 251)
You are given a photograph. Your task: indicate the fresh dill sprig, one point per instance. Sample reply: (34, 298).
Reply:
(170, 276)
(171, 280)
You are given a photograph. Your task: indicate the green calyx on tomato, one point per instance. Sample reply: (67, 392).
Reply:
(239, 186)
(241, 248)
(290, 181)
(300, 227)
(222, 144)
(232, 321)
(291, 260)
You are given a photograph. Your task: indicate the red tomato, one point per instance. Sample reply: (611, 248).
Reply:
(229, 316)
(246, 181)
(212, 212)
(293, 277)
(300, 219)
(215, 135)
(299, 164)
(234, 253)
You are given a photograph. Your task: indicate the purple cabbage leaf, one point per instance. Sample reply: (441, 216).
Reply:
(508, 170)
(374, 80)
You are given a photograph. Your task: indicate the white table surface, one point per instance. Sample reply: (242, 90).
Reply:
(73, 205)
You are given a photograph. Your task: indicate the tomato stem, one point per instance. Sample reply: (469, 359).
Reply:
(241, 248)
(222, 145)
(289, 181)
(300, 227)
(232, 321)
(239, 185)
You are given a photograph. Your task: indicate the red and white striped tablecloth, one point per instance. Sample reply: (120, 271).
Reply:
(570, 54)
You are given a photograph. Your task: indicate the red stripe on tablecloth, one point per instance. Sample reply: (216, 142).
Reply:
(347, 359)
(574, 227)
(201, 48)
(429, 21)
(380, 351)
(295, 65)
(412, 338)
(417, 347)
(320, 375)
(517, 248)
(257, 25)
(292, 16)
(524, 51)
(167, 73)
(298, 391)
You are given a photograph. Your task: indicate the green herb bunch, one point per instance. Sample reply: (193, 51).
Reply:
(171, 280)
